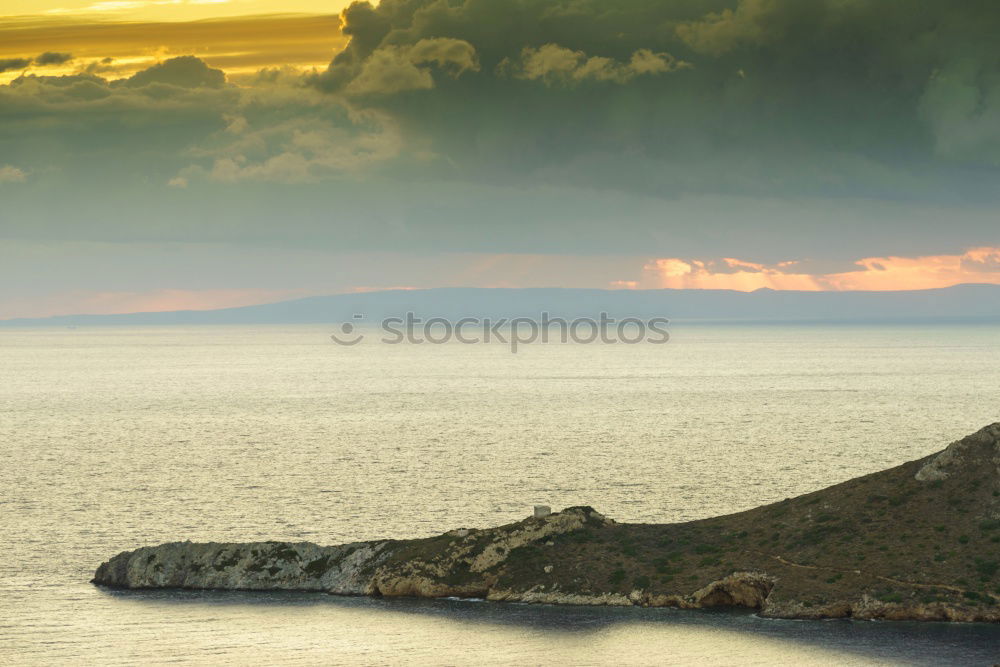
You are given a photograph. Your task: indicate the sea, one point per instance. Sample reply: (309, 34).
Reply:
(113, 438)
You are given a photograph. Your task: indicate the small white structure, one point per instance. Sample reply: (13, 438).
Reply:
(542, 511)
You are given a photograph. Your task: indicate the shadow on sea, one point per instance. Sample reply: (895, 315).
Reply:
(910, 642)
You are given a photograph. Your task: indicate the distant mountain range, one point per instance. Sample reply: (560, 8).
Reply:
(961, 303)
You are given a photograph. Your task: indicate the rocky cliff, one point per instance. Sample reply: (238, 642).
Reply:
(919, 541)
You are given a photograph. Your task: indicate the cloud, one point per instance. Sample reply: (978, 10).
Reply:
(308, 155)
(238, 45)
(183, 117)
(961, 105)
(554, 64)
(525, 127)
(981, 260)
(47, 58)
(53, 58)
(10, 174)
(718, 33)
(184, 72)
(977, 265)
(727, 273)
(395, 69)
(8, 64)
(327, 141)
(738, 97)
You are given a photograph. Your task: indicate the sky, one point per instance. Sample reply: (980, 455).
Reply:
(167, 154)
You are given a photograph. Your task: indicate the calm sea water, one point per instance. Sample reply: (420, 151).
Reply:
(116, 438)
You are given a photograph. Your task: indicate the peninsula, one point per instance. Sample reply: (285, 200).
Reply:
(920, 541)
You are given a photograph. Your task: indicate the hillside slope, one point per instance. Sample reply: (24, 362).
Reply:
(918, 541)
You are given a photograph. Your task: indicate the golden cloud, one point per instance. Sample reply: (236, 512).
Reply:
(394, 69)
(553, 64)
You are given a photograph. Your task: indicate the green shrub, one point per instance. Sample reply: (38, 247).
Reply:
(987, 568)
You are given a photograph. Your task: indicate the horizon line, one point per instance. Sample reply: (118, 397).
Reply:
(401, 290)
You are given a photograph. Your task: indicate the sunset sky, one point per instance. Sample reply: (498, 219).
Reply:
(174, 154)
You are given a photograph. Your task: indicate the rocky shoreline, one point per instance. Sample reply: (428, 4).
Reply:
(917, 542)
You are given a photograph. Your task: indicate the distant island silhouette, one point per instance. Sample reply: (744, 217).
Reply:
(960, 303)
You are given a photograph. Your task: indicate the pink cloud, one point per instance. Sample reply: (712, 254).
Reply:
(977, 265)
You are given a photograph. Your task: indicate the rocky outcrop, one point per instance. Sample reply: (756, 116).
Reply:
(300, 566)
(458, 563)
(984, 444)
(740, 589)
(869, 608)
(920, 541)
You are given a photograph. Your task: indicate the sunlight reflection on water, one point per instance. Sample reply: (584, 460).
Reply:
(114, 438)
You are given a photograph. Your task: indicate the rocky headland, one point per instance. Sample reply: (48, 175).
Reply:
(919, 541)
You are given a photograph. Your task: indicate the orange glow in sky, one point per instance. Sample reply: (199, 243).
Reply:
(163, 10)
(112, 47)
(978, 265)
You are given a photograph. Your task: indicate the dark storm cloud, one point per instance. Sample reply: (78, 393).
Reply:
(837, 98)
(86, 139)
(53, 58)
(775, 128)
